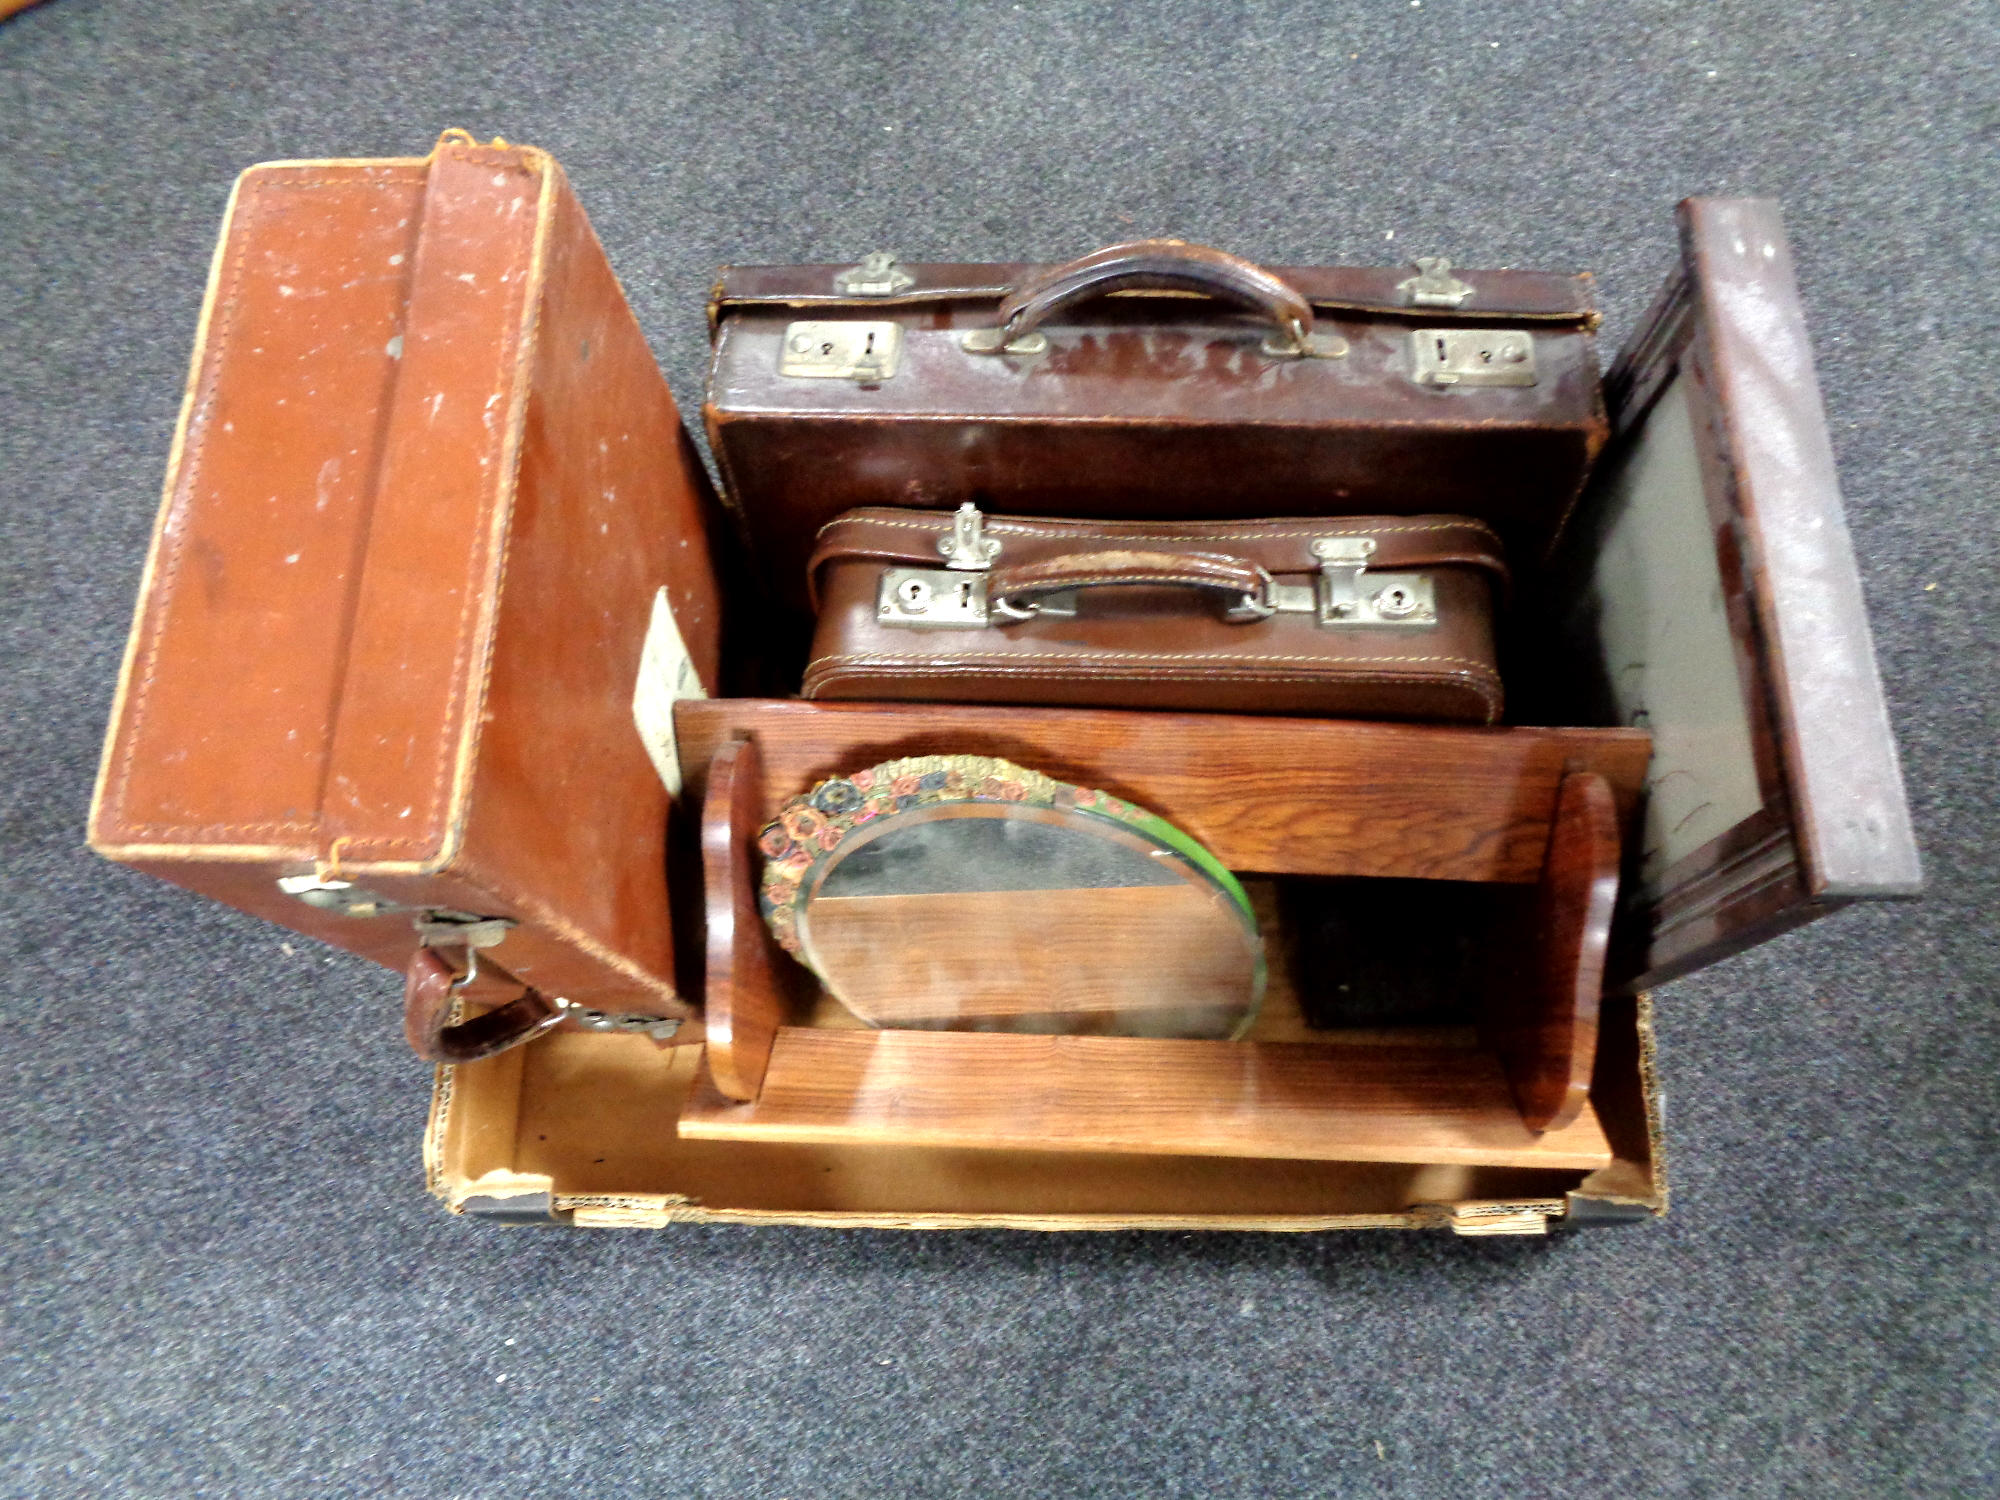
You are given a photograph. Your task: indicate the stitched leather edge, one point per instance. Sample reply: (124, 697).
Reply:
(1329, 526)
(1473, 677)
(1489, 716)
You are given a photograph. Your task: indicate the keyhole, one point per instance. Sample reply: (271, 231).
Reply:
(1394, 602)
(914, 595)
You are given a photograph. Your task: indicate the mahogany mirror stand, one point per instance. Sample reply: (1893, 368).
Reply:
(1536, 809)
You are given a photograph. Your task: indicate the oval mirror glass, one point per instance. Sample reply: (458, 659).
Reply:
(967, 893)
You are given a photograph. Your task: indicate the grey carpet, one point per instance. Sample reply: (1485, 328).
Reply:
(222, 1274)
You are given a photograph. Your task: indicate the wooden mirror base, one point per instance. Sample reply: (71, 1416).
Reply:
(1521, 1099)
(1542, 1021)
(1303, 1101)
(744, 1003)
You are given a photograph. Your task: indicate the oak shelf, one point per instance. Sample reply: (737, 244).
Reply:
(1537, 810)
(1279, 1100)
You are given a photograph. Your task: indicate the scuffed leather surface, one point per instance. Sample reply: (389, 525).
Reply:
(419, 411)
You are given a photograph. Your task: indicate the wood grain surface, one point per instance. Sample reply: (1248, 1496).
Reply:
(1266, 795)
(745, 1003)
(1309, 1102)
(1543, 1019)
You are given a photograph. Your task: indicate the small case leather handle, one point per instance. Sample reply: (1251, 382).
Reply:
(1159, 265)
(429, 987)
(1013, 589)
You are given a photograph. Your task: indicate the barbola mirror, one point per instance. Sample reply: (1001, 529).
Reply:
(961, 892)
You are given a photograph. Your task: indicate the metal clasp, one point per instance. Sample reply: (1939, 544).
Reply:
(343, 896)
(439, 927)
(864, 352)
(1434, 285)
(878, 275)
(1349, 595)
(932, 599)
(1342, 560)
(1002, 340)
(1296, 343)
(1472, 356)
(623, 1023)
(968, 547)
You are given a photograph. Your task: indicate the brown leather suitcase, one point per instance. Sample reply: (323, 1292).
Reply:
(1375, 617)
(1155, 380)
(427, 485)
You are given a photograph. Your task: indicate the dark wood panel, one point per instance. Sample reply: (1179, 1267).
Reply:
(1850, 813)
(1834, 823)
(1268, 796)
(745, 1004)
(1543, 1019)
(1272, 1100)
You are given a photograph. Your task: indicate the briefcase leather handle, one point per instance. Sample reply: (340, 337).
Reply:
(1157, 265)
(1013, 592)
(430, 985)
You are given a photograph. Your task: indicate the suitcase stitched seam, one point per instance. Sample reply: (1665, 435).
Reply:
(1014, 528)
(228, 292)
(1475, 677)
(813, 685)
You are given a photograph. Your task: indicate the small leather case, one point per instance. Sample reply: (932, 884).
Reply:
(1369, 617)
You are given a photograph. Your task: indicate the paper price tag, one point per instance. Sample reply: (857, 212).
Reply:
(666, 675)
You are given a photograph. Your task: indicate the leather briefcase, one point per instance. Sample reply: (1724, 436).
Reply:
(1375, 617)
(427, 493)
(1156, 380)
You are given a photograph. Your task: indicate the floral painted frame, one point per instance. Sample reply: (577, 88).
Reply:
(812, 826)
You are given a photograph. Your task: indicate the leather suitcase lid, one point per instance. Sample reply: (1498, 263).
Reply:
(223, 728)
(310, 633)
(1709, 591)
